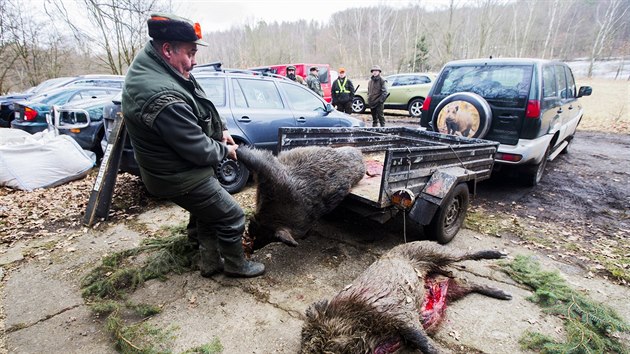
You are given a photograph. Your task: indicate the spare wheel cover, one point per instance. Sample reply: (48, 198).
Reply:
(464, 114)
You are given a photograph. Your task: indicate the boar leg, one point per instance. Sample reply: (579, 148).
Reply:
(458, 290)
(417, 338)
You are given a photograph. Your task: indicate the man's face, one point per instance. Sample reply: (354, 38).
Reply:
(290, 72)
(342, 75)
(375, 73)
(182, 57)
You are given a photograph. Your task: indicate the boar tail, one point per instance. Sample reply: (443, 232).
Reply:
(262, 162)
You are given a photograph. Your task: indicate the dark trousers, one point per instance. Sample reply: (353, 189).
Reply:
(215, 212)
(345, 107)
(378, 117)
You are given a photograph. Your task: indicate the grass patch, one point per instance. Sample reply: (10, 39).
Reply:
(591, 327)
(478, 219)
(107, 287)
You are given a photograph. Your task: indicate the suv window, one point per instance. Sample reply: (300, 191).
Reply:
(570, 84)
(550, 88)
(301, 99)
(214, 87)
(256, 94)
(562, 81)
(503, 86)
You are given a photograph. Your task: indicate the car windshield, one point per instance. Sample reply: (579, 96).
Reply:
(502, 85)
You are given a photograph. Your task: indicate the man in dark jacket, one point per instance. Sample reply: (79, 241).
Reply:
(343, 92)
(293, 76)
(178, 138)
(377, 94)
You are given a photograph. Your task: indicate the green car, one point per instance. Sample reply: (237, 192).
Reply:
(406, 92)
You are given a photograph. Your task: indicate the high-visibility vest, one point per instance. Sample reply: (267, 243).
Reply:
(342, 86)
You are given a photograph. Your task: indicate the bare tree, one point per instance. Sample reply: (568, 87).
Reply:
(608, 23)
(118, 27)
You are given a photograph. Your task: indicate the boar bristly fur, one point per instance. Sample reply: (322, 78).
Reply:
(383, 310)
(297, 188)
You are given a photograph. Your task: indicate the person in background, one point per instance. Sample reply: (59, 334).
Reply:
(293, 76)
(377, 94)
(342, 92)
(178, 138)
(312, 81)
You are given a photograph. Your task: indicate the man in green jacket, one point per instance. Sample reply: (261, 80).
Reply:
(178, 138)
(312, 81)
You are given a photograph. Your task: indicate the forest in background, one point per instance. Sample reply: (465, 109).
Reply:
(410, 39)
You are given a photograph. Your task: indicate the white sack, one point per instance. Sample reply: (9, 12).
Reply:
(40, 160)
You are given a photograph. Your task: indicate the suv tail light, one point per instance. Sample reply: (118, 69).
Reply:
(533, 109)
(426, 104)
(29, 114)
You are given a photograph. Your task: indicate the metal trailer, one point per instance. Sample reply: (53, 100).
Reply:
(427, 175)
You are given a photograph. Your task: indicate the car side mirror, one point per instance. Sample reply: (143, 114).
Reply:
(71, 118)
(585, 91)
(329, 108)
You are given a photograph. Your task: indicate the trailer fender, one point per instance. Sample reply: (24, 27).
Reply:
(439, 186)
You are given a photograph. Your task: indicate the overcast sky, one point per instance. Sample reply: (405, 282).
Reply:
(216, 15)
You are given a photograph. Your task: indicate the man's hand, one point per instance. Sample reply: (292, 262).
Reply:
(227, 139)
(232, 151)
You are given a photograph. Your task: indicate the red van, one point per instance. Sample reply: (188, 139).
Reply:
(302, 69)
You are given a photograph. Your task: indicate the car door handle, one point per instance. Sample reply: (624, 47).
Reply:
(301, 119)
(560, 111)
(245, 119)
(571, 107)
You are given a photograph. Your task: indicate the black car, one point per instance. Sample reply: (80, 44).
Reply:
(530, 106)
(30, 115)
(7, 101)
(254, 105)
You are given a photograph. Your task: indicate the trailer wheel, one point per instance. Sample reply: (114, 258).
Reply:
(450, 216)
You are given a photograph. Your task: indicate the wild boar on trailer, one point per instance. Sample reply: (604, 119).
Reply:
(297, 188)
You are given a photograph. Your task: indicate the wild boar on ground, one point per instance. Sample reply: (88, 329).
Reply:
(297, 188)
(395, 304)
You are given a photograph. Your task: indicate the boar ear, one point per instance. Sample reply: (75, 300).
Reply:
(316, 309)
(285, 236)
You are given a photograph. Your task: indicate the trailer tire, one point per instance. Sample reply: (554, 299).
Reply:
(449, 218)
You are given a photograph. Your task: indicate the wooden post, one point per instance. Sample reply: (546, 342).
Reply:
(103, 190)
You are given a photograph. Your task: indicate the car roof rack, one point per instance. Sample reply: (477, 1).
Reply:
(217, 67)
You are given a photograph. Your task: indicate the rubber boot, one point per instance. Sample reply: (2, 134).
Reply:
(235, 263)
(209, 259)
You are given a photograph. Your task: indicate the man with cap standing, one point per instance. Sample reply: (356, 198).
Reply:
(178, 139)
(312, 81)
(293, 76)
(377, 94)
(343, 92)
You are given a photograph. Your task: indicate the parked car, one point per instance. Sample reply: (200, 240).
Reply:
(83, 121)
(31, 115)
(406, 92)
(6, 102)
(530, 106)
(254, 106)
(303, 69)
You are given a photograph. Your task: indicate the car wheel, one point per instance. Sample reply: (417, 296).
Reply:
(232, 175)
(464, 114)
(449, 218)
(533, 174)
(358, 105)
(415, 107)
